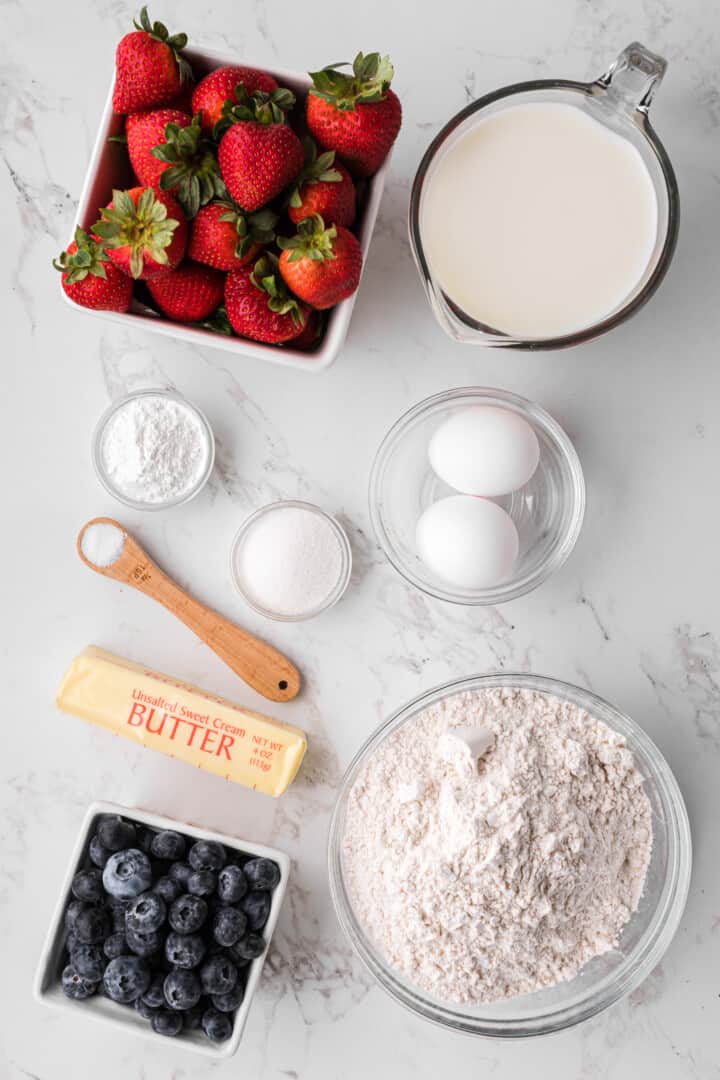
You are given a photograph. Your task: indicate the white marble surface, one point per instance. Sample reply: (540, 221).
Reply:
(633, 615)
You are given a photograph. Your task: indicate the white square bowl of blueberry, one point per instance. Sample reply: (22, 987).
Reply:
(162, 928)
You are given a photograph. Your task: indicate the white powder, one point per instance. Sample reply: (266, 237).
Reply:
(483, 878)
(154, 449)
(102, 543)
(290, 561)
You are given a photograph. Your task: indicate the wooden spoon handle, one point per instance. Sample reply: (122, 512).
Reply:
(259, 664)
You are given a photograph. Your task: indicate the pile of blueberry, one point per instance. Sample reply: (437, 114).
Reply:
(166, 925)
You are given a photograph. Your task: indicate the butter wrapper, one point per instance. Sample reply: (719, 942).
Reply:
(180, 720)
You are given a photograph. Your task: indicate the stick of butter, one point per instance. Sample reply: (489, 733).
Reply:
(183, 721)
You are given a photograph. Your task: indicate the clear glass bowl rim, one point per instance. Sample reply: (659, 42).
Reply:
(345, 550)
(639, 962)
(96, 448)
(536, 416)
(642, 122)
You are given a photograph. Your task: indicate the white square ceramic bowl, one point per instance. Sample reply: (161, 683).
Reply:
(47, 987)
(108, 168)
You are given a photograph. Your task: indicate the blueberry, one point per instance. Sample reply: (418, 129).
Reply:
(193, 1017)
(117, 909)
(229, 925)
(144, 839)
(206, 855)
(91, 925)
(154, 995)
(145, 913)
(167, 1022)
(249, 948)
(71, 942)
(167, 888)
(216, 1025)
(126, 978)
(146, 1011)
(98, 853)
(168, 845)
(115, 945)
(144, 944)
(87, 885)
(182, 989)
(232, 884)
(184, 950)
(229, 1002)
(115, 834)
(187, 914)
(75, 986)
(218, 975)
(202, 883)
(180, 872)
(89, 962)
(127, 874)
(256, 906)
(72, 911)
(262, 873)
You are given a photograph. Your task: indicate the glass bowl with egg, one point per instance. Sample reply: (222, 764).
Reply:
(435, 503)
(602, 980)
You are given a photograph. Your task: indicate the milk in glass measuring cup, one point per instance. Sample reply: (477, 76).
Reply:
(547, 212)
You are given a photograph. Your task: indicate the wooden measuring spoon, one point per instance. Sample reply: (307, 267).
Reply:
(260, 665)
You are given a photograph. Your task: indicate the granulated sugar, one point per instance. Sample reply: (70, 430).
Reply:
(291, 560)
(480, 878)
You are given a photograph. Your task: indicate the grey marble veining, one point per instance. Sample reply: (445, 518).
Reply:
(633, 615)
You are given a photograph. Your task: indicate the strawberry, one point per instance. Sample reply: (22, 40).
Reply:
(260, 307)
(145, 131)
(226, 238)
(90, 279)
(321, 265)
(323, 187)
(311, 335)
(356, 115)
(149, 67)
(211, 93)
(186, 158)
(259, 153)
(190, 293)
(145, 231)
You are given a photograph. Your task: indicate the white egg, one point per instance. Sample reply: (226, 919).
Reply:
(469, 542)
(484, 450)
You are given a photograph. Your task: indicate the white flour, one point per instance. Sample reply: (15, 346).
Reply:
(154, 449)
(482, 878)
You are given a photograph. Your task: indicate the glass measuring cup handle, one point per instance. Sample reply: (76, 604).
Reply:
(632, 79)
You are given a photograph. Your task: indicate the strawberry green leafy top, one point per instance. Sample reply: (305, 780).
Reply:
(259, 107)
(89, 258)
(265, 276)
(145, 228)
(371, 78)
(312, 241)
(177, 42)
(193, 166)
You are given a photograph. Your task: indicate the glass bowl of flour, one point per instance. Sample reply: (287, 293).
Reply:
(509, 855)
(153, 450)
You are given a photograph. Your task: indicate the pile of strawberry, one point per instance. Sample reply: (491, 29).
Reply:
(242, 214)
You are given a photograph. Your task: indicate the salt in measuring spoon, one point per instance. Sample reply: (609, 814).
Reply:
(261, 666)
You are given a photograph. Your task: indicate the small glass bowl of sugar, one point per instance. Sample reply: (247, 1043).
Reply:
(153, 450)
(291, 561)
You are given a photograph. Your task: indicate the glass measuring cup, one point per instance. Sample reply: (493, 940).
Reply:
(619, 100)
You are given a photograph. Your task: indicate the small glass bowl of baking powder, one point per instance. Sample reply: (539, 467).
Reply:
(153, 450)
(291, 561)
